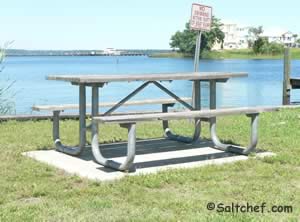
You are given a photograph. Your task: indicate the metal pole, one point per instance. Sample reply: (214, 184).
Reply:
(286, 77)
(196, 84)
(82, 116)
(95, 101)
(197, 52)
(196, 95)
(212, 94)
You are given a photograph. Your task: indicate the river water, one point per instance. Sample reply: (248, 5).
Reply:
(263, 86)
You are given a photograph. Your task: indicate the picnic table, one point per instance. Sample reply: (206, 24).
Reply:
(98, 81)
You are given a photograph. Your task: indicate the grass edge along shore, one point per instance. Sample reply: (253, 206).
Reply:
(228, 54)
(33, 191)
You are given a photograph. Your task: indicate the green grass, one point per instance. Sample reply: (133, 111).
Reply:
(238, 54)
(32, 191)
(171, 55)
(231, 54)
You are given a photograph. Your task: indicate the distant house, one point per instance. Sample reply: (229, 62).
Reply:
(238, 37)
(283, 37)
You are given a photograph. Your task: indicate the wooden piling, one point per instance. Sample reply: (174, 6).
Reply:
(286, 77)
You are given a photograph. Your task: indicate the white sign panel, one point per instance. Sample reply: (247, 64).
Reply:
(201, 17)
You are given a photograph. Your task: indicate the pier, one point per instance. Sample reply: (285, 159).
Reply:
(118, 52)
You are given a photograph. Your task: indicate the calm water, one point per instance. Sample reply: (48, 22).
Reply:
(262, 87)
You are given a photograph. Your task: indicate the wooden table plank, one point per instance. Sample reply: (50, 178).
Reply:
(90, 79)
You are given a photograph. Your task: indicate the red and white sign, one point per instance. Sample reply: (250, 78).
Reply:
(201, 18)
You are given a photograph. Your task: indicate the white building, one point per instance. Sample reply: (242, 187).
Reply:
(283, 37)
(235, 37)
(238, 37)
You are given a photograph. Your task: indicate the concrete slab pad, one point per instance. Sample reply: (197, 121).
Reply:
(152, 156)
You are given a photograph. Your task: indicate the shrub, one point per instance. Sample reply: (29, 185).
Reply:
(259, 45)
(275, 48)
(262, 46)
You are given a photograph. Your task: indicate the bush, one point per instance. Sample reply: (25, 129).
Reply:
(1, 57)
(262, 46)
(259, 45)
(6, 105)
(275, 48)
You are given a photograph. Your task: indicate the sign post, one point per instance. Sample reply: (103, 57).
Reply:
(201, 20)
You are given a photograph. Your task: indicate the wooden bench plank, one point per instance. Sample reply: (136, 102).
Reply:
(107, 104)
(183, 115)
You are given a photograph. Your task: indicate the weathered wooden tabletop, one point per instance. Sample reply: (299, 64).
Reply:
(96, 79)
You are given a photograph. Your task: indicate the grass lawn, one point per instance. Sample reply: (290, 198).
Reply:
(230, 54)
(32, 191)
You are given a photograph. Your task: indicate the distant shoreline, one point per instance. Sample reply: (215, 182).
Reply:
(123, 52)
(71, 55)
(224, 54)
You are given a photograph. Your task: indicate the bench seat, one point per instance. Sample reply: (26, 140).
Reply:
(182, 115)
(63, 107)
(129, 122)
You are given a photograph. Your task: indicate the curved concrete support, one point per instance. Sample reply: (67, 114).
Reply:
(232, 148)
(127, 165)
(74, 151)
(169, 135)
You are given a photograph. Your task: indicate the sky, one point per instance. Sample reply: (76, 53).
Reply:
(126, 24)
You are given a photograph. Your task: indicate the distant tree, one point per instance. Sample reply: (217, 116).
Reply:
(254, 33)
(259, 44)
(185, 40)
